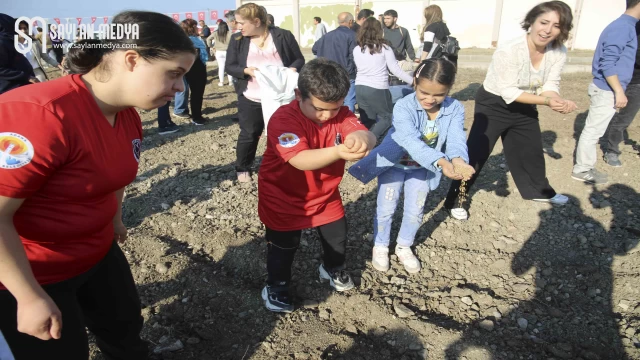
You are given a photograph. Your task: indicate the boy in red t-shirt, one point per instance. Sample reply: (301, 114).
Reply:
(308, 142)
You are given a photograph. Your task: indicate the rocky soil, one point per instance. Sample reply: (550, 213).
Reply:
(518, 280)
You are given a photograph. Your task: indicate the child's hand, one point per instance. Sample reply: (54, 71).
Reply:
(348, 154)
(448, 170)
(463, 169)
(360, 142)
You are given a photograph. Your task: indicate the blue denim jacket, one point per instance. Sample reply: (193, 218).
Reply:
(409, 122)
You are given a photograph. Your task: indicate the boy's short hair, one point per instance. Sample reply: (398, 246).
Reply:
(391, 13)
(632, 3)
(365, 13)
(317, 18)
(324, 79)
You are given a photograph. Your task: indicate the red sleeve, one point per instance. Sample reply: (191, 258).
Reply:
(32, 147)
(286, 134)
(350, 123)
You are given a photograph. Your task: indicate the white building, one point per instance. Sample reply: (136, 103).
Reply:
(476, 23)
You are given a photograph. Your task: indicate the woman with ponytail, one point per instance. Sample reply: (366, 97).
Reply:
(257, 45)
(68, 149)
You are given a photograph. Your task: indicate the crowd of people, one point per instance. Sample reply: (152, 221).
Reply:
(64, 172)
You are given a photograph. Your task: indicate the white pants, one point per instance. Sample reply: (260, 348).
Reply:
(601, 112)
(40, 74)
(221, 57)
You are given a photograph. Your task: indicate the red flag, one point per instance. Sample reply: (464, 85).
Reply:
(93, 19)
(201, 15)
(176, 17)
(214, 15)
(189, 15)
(57, 20)
(79, 20)
(105, 19)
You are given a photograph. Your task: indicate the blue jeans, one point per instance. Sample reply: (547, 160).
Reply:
(390, 187)
(182, 100)
(350, 100)
(163, 115)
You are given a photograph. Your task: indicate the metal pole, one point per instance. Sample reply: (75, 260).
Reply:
(296, 19)
(497, 19)
(576, 23)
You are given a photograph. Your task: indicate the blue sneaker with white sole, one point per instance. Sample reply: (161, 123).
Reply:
(276, 298)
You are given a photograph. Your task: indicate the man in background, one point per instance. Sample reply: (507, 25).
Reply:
(398, 37)
(363, 15)
(321, 29)
(338, 46)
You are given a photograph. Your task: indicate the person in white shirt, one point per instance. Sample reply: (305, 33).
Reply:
(523, 73)
(34, 53)
(321, 29)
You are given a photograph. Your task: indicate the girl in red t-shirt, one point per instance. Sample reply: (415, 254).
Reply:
(68, 148)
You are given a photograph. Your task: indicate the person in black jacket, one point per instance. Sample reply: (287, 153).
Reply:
(257, 45)
(15, 69)
(435, 32)
(204, 34)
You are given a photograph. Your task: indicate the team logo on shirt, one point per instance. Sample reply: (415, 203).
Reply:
(16, 150)
(136, 149)
(288, 140)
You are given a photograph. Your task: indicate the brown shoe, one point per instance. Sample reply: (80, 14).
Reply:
(244, 177)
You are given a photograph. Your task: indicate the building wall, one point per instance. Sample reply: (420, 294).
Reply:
(471, 21)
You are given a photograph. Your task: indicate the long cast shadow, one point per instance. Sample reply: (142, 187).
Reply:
(572, 313)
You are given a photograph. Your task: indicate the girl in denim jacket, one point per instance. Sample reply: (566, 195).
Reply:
(412, 157)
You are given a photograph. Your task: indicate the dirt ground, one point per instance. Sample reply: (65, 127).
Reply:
(518, 280)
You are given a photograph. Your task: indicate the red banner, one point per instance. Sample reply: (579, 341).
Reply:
(57, 20)
(201, 15)
(214, 15)
(79, 20)
(93, 19)
(188, 15)
(105, 19)
(176, 17)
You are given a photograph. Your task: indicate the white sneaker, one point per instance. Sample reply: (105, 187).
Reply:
(408, 259)
(559, 199)
(380, 258)
(459, 214)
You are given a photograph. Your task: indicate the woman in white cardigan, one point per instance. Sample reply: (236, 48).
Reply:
(523, 73)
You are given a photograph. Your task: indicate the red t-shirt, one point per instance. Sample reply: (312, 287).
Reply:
(60, 154)
(291, 199)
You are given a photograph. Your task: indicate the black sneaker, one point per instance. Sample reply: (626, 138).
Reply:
(198, 122)
(276, 298)
(182, 116)
(169, 129)
(340, 280)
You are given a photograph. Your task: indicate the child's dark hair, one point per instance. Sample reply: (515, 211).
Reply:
(159, 38)
(324, 79)
(439, 70)
(632, 3)
(564, 14)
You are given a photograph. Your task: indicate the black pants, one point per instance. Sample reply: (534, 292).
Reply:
(376, 107)
(104, 300)
(518, 126)
(282, 246)
(622, 120)
(59, 53)
(197, 79)
(251, 124)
